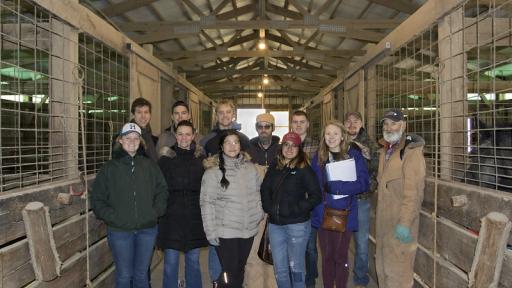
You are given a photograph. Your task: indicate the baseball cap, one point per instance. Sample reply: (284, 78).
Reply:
(292, 137)
(129, 128)
(393, 115)
(265, 117)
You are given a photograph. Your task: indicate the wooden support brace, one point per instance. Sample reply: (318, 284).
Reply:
(490, 250)
(43, 254)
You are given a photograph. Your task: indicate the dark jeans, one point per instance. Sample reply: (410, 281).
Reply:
(311, 259)
(132, 252)
(172, 266)
(334, 248)
(233, 254)
(361, 240)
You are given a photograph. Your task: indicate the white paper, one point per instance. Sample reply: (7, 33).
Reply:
(344, 170)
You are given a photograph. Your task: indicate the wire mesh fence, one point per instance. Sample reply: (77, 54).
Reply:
(453, 82)
(42, 60)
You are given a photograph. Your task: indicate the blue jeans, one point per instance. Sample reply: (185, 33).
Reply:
(214, 268)
(288, 244)
(311, 259)
(361, 241)
(192, 268)
(132, 252)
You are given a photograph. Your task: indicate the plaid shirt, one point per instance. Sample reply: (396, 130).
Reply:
(310, 146)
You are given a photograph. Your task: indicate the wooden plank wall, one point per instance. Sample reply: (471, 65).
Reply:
(68, 224)
(454, 232)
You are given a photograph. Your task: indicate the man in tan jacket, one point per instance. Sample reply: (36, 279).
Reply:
(401, 180)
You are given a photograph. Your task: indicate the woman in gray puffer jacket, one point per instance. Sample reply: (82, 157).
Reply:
(231, 207)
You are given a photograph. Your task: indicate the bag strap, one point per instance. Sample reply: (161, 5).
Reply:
(279, 184)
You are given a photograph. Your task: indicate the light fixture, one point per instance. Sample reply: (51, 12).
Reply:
(262, 45)
(265, 80)
(260, 94)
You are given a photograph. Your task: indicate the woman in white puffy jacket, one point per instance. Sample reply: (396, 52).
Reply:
(231, 207)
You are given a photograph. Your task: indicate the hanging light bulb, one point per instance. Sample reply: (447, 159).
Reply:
(260, 94)
(265, 80)
(262, 45)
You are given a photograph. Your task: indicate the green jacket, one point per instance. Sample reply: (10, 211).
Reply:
(129, 193)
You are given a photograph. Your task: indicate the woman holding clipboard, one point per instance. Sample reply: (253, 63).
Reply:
(336, 217)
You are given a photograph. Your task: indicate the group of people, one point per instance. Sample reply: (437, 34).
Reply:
(181, 192)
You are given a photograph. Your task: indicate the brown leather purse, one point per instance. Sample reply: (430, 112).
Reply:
(334, 219)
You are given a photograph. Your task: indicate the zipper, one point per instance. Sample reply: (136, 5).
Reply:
(135, 195)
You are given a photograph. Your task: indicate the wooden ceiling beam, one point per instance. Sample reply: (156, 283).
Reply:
(283, 12)
(299, 7)
(236, 12)
(125, 6)
(323, 24)
(358, 34)
(193, 7)
(220, 7)
(399, 5)
(270, 72)
(292, 61)
(262, 53)
(230, 89)
(272, 83)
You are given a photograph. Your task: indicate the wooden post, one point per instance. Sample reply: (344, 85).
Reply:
(490, 250)
(43, 253)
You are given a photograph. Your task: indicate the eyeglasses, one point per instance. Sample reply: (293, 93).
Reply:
(261, 127)
(289, 145)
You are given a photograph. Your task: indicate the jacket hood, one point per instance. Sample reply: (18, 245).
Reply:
(213, 161)
(275, 140)
(171, 151)
(413, 141)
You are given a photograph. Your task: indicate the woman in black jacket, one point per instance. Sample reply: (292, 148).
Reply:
(289, 192)
(181, 229)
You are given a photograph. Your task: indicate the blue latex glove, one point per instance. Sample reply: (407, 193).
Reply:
(403, 234)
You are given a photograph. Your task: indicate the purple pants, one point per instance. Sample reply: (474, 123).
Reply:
(334, 249)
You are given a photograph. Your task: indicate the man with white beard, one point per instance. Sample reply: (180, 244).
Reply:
(401, 179)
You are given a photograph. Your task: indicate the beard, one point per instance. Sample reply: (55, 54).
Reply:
(265, 139)
(393, 137)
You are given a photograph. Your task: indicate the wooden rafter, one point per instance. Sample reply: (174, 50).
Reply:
(248, 71)
(237, 12)
(262, 53)
(299, 7)
(220, 7)
(125, 6)
(173, 26)
(399, 5)
(283, 11)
